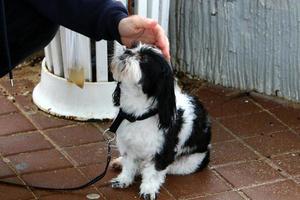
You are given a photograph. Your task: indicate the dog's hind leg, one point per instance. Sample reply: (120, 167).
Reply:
(189, 164)
(126, 177)
(116, 163)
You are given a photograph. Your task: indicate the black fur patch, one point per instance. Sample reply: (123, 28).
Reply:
(116, 95)
(201, 133)
(158, 81)
(167, 154)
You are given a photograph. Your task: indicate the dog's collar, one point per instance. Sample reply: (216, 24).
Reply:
(131, 118)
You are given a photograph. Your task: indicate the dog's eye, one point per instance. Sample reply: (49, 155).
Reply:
(144, 58)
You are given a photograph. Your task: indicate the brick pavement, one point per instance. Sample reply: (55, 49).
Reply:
(255, 150)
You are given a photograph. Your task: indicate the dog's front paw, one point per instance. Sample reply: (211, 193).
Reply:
(149, 196)
(148, 191)
(119, 183)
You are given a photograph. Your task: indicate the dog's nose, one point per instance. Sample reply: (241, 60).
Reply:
(126, 54)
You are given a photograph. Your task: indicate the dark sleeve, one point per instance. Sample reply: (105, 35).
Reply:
(97, 19)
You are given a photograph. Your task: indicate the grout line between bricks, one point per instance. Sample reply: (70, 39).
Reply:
(11, 167)
(265, 159)
(249, 160)
(211, 195)
(50, 170)
(236, 115)
(63, 147)
(264, 183)
(8, 113)
(19, 133)
(273, 115)
(168, 192)
(60, 150)
(241, 193)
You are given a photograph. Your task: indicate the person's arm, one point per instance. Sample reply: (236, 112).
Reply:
(97, 19)
(103, 19)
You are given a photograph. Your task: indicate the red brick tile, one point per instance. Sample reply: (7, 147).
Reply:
(249, 173)
(252, 124)
(61, 178)
(266, 102)
(208, 97)
(223, 91)
(289, 115)
(61, 194)
(6, 106)
(77, 135)
(5, 171)
(21, 143)
(88, 154)
(198, 184)
(39, 161)
(297, 130)
(219, 134)
(286, 190)
(45, 121)
(14, 123)
(26, 103)
(234, 107)
(64, 196)
(289, 162)
(222, 196)
(276, 143)
(20, 87)
(231, 151)
(8, 192)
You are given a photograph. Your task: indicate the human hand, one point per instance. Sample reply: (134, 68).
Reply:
(136, 28)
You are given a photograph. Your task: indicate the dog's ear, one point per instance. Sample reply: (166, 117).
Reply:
(116, 95)
(166, 96)
(158, 82)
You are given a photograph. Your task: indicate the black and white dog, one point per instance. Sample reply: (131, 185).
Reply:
(165, 131)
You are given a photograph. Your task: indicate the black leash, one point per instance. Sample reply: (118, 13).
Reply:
(109, 135)
(6, 43)
(91, 182)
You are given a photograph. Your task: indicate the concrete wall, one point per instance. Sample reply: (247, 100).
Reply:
(247, 44)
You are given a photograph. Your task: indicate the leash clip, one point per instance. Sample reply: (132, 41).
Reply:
(109, 136)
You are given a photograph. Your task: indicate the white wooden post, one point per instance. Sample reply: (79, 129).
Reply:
(101, 61)
(78, 48)
(48, 57)
(56, 50)
(164, 15)
(141, 8)
(153, 9)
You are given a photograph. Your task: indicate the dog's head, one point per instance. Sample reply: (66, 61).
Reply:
(144, 68)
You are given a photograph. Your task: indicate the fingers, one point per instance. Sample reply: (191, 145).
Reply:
(162, 41)
(138, 28)
(143, 22)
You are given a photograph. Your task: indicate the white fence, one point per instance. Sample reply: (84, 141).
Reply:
(54, 94)
(56, 52)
